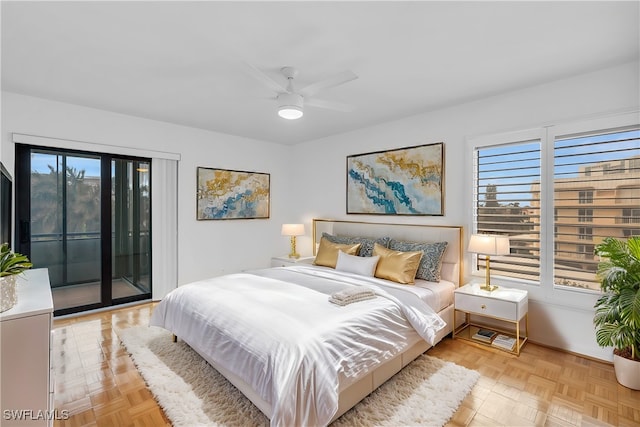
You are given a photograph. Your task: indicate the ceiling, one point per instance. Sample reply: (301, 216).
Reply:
(185, 62)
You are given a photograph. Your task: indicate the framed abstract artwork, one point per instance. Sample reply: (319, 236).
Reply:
(229, 194)
(403, 181)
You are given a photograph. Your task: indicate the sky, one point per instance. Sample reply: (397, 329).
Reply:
(91, 165)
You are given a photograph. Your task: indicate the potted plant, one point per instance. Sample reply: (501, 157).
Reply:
(617, 317)
(11, 264)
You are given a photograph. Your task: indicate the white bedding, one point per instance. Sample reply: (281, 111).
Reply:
(277, 331)
(438, 295)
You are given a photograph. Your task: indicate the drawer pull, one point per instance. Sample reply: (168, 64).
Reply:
(483, 306)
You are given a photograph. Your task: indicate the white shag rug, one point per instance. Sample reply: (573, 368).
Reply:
(192, 393)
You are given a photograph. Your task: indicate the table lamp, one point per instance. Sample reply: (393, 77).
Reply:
(293, 230)
(489, 244)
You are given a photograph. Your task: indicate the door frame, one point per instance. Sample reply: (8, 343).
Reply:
(23, 217)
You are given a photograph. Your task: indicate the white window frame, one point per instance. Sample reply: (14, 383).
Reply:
(492, 141)
(545, 289)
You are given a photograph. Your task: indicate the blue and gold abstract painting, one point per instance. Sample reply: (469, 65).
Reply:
(228, 194)
(405, 181)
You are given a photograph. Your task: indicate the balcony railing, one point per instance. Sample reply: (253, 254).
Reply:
(83, 257)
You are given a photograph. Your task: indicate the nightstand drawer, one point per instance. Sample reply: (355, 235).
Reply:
(487, 306)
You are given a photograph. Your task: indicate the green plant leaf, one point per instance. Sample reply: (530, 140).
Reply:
(12, 263)
(617, 316)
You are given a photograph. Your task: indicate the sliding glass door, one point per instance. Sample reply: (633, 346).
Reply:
(131, 227)
(63, 227)
(86, 218)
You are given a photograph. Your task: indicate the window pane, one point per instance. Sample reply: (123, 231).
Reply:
(596, 195)
(507, 201)
(131, 220)
(65, 225)
(46, 212)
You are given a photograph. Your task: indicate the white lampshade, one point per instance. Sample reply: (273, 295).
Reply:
(489, 244)
(292, 229)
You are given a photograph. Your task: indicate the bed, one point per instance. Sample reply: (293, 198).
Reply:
(301, 359)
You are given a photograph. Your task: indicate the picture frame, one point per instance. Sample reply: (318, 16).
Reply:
(400, 181)
(231, 194)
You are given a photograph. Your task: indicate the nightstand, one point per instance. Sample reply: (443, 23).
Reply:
(509, 306)
(285, 261)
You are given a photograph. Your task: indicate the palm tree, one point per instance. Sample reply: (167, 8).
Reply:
(83, 202)
(617, 317)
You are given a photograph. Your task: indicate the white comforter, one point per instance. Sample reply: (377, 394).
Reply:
(276, 330)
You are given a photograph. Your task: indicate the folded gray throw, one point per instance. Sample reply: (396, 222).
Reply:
(351, 295)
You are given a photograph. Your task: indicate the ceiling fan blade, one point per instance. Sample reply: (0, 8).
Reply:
(329, 105)
(313, 88)
(259, 75)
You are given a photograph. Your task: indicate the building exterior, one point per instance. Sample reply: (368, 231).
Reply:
(601, 200)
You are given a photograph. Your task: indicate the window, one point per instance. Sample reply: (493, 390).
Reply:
(89, 224)
(609, 194)
(585, 197)
(613, 168)
(631, 216)
(586, 250)
(585, 233)
(584, 215)
(557, 196)
(507, 202)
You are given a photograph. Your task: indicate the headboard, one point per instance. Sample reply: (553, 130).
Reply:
(452, 263)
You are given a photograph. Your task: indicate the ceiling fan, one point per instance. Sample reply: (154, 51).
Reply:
(291, 102)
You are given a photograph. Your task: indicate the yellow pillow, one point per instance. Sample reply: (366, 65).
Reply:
(397, 266)
(328, 252)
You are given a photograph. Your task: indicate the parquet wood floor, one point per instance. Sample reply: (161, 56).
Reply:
(96, 381)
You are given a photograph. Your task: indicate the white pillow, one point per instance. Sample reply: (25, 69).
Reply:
(364, 266)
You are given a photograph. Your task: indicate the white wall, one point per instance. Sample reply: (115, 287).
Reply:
(205, 248)
(321, 169)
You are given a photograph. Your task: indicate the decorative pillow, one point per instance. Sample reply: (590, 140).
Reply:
(328, 252)
(397, 266)
(366, 248)
(364, 266)
(431, 263)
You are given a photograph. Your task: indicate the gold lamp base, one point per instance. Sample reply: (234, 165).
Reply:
(487, 277)
(293, 253)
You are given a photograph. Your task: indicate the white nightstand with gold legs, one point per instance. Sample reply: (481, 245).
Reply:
(504, 304)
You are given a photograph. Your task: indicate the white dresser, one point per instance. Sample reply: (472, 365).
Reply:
(25, 354)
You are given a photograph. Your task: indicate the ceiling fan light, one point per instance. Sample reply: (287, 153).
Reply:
(290, 106)
(290, 112)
